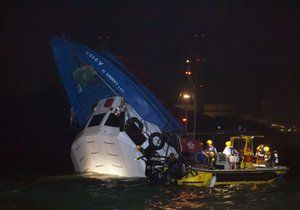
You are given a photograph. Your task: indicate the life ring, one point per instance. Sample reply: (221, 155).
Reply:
(133, 124)
(156, 140)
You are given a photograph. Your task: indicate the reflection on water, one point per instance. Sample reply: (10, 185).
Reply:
(170, 200)
(103, 192)
(226, 197)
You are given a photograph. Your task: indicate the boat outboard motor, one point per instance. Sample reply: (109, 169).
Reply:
(175, 167)
(163, 172)
(155, 171)
(161, 168)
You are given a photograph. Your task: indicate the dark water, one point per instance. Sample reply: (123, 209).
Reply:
(100, 192)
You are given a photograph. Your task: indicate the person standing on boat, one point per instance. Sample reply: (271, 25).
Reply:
(273, 159)
(212, 152)
(267, 153)
(260, 154)
(229, 152)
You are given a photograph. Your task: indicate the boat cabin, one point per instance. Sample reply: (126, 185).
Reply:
(108, 143)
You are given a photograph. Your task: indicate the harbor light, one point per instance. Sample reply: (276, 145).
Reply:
(186, 96)
(188, 73)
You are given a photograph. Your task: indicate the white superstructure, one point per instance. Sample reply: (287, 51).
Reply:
(107, 144)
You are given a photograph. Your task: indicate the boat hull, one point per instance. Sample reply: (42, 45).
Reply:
(208, 178)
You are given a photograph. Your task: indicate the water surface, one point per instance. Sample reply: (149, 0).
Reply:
(102, 192)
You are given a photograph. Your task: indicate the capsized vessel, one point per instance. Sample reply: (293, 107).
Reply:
(115, 111)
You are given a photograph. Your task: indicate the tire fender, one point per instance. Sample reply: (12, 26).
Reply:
(133, 121)
(157, 140)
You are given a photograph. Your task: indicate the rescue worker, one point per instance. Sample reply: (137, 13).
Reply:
(259, 148)
(211, 152)
(260, 155)
(273, 159)
(267, 154)
(230, 151)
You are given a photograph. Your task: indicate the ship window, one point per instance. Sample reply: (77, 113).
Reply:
(96, 120)
(113, 120)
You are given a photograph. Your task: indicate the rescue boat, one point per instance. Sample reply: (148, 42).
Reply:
(242, 169)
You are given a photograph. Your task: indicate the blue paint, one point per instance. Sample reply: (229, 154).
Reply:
(89, 76)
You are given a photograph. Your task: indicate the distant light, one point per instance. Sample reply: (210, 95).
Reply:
(184, 119)
(186, 96)
(188, 73)
(188, 61)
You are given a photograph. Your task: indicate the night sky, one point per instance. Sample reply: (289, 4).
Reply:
(250, 49)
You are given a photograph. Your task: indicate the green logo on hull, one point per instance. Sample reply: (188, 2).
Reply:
(84, 75)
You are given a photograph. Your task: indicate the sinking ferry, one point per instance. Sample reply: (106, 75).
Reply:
(115, 112)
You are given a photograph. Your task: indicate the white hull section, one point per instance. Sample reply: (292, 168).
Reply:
(105, 154)
(102, 147)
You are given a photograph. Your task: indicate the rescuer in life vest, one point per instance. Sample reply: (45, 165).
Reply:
(267, 153)
(273, 159)
(260, 154)
(231, 154)
(267, 156)
(229, 150)
(212, 153)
